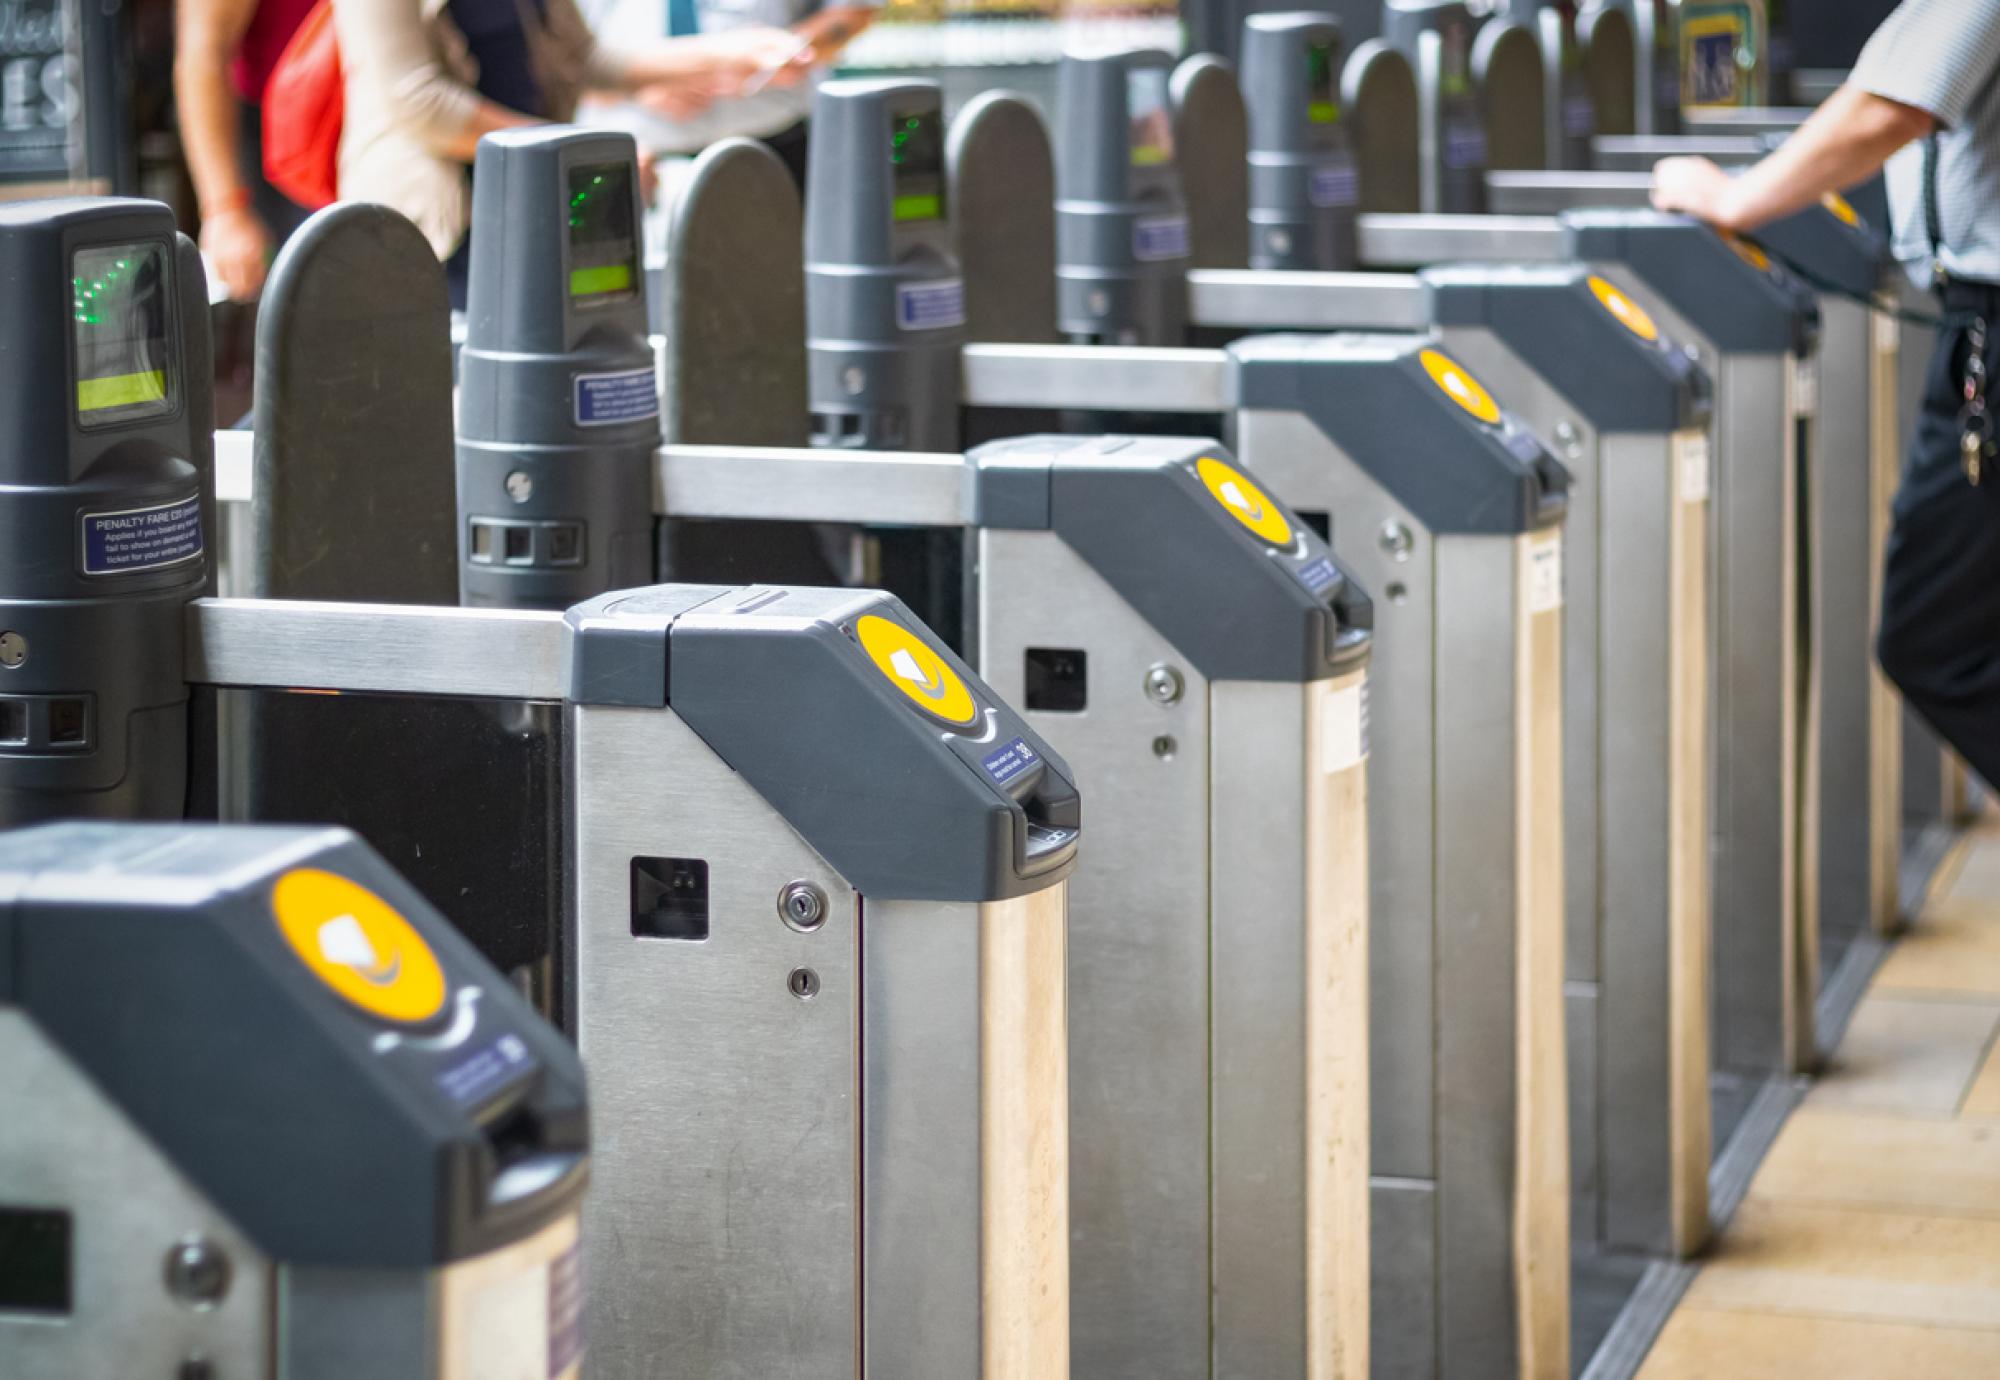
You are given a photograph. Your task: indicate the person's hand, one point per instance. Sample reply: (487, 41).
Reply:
(1695, 187)
(239, 246)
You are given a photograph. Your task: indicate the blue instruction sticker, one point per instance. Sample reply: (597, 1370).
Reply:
(1579, 117)
(930, 306)
(1010, 761)
(1334, 184)
(1160, 237)
(1464, 147)
(626, 396)
(486, 1070)
(1317, 575)
(134, 539)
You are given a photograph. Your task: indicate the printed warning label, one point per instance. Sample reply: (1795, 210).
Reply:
(135, 539)
(1160, 237)
(1343, 728)
(930, 306)
(1334, 184)
(629, 395)
(1010, 761)
(1805, 387)
(1545, 574)
(1691, 465)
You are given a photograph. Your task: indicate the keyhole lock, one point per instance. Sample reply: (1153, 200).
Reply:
(802, 906)
(13, 649)
(197, 1273)
(804, 983)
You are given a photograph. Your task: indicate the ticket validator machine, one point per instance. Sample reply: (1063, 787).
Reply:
(1187, 642)
(744, 778)
(270, 1116)
(558, 410)
(1305, 188)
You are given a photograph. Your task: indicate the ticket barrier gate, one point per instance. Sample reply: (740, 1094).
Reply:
(1448, 1277)
(271, 1116)
(1480, 97)
(1754, 330)
(1656, 103)
(1854, 470)
(1569, 116)
(1587, 369)
(909, 1126)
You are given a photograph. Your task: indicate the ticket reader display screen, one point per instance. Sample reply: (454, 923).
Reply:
(603, 259)
(121, 357)
(916, 152)
(1151, 117)
(1322, 105)
(1455, 74)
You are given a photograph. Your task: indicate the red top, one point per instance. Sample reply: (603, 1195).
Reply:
(271, 27)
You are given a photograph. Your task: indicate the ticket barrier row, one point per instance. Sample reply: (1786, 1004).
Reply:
(893, 1032)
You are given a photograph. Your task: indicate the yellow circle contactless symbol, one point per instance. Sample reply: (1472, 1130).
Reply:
(1838, 204)
(1630, 314)
(1244, 501)
(1460, 386)
(359, 945)
(1749, 253)
(915, 669)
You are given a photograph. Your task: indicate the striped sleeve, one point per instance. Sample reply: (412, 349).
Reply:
(1936, 55)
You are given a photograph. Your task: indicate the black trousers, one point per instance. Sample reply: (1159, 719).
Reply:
(1939, 639)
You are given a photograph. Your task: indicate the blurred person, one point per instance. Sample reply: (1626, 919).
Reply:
(425, 79)
(773, 111)
(1924, 100)
(224, 51)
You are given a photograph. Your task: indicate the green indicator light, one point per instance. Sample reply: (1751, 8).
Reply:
(591, 282)
(921, 206)
(1323, 113)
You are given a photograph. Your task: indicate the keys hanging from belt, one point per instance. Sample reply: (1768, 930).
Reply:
(1976, 442)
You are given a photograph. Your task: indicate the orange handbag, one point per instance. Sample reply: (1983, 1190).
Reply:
(304, 107)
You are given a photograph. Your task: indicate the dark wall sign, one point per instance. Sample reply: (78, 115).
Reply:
(40, 107)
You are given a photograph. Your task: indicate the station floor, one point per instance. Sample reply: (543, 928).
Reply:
(1868, 1244)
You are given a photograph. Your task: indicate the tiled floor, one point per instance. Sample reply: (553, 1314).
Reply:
(1869, 1246)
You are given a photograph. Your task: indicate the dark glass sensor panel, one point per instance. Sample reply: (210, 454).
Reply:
(670, 898)
(121, 357)
(1322, 104)
(1057, 680)
(34, 1260)
(916, 154)
(603, 254)
(1151, 116)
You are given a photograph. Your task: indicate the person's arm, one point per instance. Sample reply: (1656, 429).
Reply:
(1846, 141)
(385, 47)
(1921, 71)
(206, 36)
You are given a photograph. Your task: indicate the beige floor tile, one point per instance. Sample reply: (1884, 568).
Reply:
(1866, 1264)
(1837, 1157)
(1712, 1344)
(1906, 1054)
(1984, 1099)
(1971, 872)
(1954, 949)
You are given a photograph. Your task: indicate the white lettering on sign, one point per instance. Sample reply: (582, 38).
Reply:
(1545, 573)
(1690, 451)
(1343, 728)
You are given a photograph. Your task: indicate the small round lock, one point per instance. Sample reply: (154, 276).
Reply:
(1280, 242)
(13, 649)
(1099, 302)
(1164, 685)
(1164, 747)
(854, 378)
(802, 906)
(1397, 540)
(803, 983)
(520, 487)
(1570, 439)
(197, 1273)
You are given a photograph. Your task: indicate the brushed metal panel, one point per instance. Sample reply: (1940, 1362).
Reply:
(1403, 1340)
(1120, 377)
(1139, 982)
(722, 1232)
(79, 1152)
(1245, 300)
(802, 485)
(1299, 464)
(1412, 241)
(407, 649)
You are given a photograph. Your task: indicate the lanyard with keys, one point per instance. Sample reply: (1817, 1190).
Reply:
(1975, 443)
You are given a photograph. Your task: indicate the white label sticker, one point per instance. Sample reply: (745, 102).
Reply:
(1343, 728)
(930, 306)
(1545, 574)
(1691, 465)
(1805, 387)
(1157, 238)
(1888, 332)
